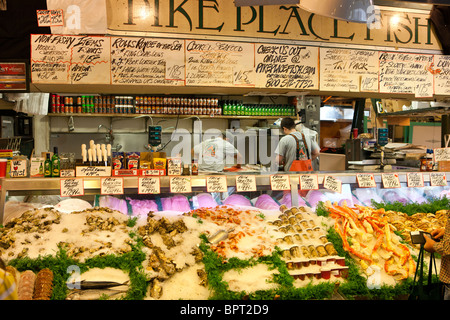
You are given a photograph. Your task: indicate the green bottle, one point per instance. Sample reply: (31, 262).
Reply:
(225, 108)
(55, 163)
(48, 166)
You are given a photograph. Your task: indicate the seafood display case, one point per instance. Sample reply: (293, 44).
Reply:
(214, 245)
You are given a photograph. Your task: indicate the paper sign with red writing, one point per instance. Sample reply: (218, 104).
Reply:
(414, 179)
(180, 184)
(111, 186)
(149, 185)
(245, 183)
(72, 187)
(366, 180)
(438, 179)
(309, 182)
(390, 180)
(280, 182)
(216, 184)
(333, 184)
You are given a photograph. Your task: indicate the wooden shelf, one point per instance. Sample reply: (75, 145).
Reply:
(425, 112)
(138, 115)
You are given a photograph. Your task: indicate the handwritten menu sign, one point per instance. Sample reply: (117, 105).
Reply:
(280, 182)
(285, 66)
(406, 73)
(111, 186)
(441, 154)
(50, 58)
(309, 182)
(366, 180)
(90, 60)
(438, 179)
(67, 59)
(180, 184)
(216, 184)
(215, 63)
(147, 61)
(348, 70)
(72, 187)
(149, 185)
(414, 179)
(245, 183)
(441, 74)
(333, 184)
(390, 180)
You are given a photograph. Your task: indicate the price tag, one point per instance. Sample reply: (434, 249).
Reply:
(390, 180)
(71, 187)
(414, 179)
(441, 154)
(111, 186)
(180, 184)
(366, 180)
(149, 185)
(438, 179)
(216, 184)
(309, 182)
(245, 183)
(280, 182)
(333, 184)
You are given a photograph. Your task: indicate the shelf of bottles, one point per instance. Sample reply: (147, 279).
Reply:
(162, 105)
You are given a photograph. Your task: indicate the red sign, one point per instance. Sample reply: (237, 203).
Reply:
(13, 76)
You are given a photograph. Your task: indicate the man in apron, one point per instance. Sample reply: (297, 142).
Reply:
(293, 151)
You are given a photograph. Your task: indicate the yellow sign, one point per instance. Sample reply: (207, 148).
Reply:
(191, 18)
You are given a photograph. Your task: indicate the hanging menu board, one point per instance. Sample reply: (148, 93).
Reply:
(442, 74)
(284, 66)
(70, 59)
(50, 58)
(406, 73)
(348, 70)
(147, 61)
(215, 63)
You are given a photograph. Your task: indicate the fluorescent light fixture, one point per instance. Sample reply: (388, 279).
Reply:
(243, 3)
(348, 10)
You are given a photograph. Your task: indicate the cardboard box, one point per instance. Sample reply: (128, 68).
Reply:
(331, 162)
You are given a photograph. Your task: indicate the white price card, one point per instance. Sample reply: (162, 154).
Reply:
(309, 182)
(180, 184)
(441, 154)
(280, 182)
(333, 184)
(245, 183)
(216, 184)
(438, 179)
(111, 185)
(390, 180)
(149, 185)
(414, 179)
(366, 180)
(71, 187)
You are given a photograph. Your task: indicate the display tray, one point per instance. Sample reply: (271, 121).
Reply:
(231, 245)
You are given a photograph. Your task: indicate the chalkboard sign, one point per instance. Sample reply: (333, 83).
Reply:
(224, 64)
(147, 61)
(406, 73)
(441, 74)
(348, 70)
(284, 66)
(64, 59)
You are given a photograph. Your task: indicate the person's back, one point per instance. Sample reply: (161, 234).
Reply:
(212, 154)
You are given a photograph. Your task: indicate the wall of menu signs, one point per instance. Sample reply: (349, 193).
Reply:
(67, 59)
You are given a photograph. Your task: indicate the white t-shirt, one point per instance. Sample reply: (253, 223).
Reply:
(214, 154)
